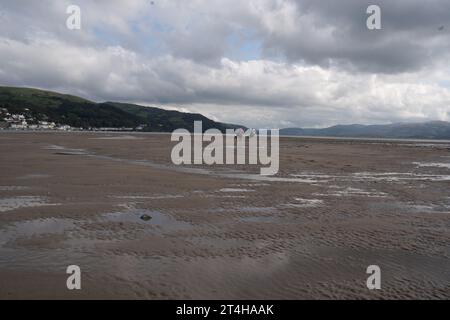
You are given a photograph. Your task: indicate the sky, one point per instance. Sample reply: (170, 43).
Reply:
(260, 63)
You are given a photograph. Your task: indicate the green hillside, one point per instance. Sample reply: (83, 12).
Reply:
(78, 112)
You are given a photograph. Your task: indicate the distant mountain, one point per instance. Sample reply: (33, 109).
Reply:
(78, 112)
(425, 130)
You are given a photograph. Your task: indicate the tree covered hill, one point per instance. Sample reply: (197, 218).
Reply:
(71, 110)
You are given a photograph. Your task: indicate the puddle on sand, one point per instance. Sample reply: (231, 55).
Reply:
(164, 222)
(70, 153)
(257, 177)
(36, 227)
(263, 219)
(224, 196)
(398, 177)
(13, 188)
(54, 147)
(8, 204)
(258, 209)
(31, 255)
(432, 164)
(240, 185)
(318, 177)
(235, 190)
(353, 192)
(34, 176)
(153, 197)
(304, 203)
(412, 207)
(66, 151)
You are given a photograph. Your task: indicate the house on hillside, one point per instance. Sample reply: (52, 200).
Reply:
(45, 125)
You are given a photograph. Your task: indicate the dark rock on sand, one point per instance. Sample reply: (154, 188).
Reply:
(146, 217)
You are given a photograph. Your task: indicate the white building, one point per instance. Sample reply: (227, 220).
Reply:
(19, 125)
(46, 125)
(64, 127)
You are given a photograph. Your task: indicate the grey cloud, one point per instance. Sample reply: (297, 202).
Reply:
(335, 32)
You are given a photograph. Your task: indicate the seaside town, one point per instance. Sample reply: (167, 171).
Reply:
(9, 121)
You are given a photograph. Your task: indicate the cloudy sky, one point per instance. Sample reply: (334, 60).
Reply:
(261, 63)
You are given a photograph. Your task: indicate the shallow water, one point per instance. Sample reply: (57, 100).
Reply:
(13, 188)
(163, 222)
(305, 203)
(223, 172)
(34, 176)
(412, 207)
(31, 228)
(150, 197)
(8, 204)
(235, 190)
(264, 219)
(352, 192)
(433, 164)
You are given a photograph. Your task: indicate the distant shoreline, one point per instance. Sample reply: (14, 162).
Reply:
(369, 139)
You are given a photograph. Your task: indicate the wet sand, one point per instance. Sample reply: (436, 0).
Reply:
(336, 207)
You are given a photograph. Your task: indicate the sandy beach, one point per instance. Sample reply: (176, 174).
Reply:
(222, 232)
